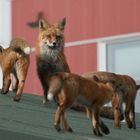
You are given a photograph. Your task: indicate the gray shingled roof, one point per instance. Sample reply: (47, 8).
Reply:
(31, 120)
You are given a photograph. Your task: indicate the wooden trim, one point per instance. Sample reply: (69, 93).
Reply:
(108, 40)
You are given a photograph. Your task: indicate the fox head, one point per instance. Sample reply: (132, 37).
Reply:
(110, 83)
(51, 37)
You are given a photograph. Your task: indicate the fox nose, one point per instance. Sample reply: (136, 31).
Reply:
(54, 43)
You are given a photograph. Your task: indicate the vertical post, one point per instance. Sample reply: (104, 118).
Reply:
(101, 56)
(5, 26)
(102, 59)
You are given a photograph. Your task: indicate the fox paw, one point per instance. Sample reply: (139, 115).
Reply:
(117, 126)
(97, 132)
(70, 129)
(17, 98)
(134, 126)
(15, 90)
(129, 124)
(57, 127)
(4, 92)
(105, 129)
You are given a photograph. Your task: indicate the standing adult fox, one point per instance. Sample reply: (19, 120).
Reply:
(50, 56)
(15, 60)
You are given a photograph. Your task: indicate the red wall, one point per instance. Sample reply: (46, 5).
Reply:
(85, 19)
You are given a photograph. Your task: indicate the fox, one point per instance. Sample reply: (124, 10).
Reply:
(14, 62)
(68, 88)
(50, 57)
(126, 94)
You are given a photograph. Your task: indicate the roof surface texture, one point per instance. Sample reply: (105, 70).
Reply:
(31, 120)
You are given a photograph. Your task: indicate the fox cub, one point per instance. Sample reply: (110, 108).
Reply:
(14, 62)
(126, 94)
(68, 88)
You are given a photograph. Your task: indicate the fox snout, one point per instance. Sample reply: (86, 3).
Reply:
(51, 45)
(54, 43)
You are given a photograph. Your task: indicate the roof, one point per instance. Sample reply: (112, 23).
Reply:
(31, 119)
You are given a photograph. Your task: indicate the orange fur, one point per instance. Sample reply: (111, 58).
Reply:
(126, 94)
(15, 61)
(68, 88)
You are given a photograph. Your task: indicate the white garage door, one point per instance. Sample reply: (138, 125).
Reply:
(124, 58)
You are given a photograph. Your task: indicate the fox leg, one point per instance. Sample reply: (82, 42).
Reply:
(45, 90)
(45, 86)
(6, 83)
(65, 125)
(19, 90)
(116, 107)
(14, 81)
(58, 114)
(89, 113)
(95, 122)
(21, 69)
(127, 113)
(104, 128)
(132, 116)
(21, 75)
(43, 77)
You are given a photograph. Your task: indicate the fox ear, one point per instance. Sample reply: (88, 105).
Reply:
(62, 24)
(43, 24)
(95, 78)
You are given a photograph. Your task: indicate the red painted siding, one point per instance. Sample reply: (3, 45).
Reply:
(82, 58)
(85, 19)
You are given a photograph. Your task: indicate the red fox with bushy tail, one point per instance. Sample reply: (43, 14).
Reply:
(68, 88)
(15, 60)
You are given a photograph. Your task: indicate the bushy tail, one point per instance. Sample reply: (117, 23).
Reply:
(55, 86)
(25, 51)
(108, 112)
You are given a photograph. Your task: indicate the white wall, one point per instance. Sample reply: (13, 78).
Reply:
(5, 26)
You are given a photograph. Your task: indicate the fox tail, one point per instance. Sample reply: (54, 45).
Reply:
(26, 51)
(55, 86)
(108, 112)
